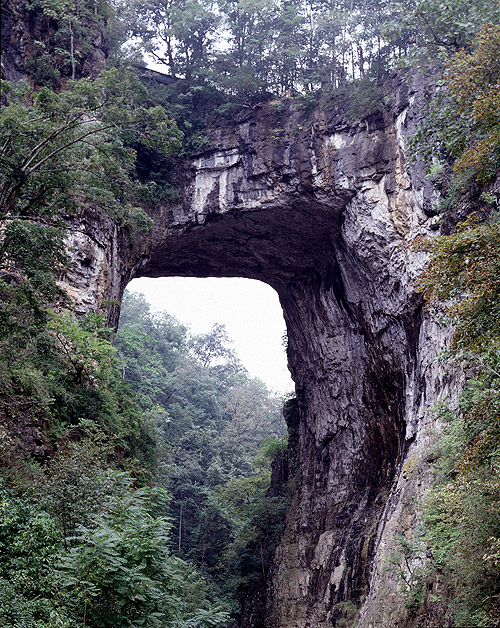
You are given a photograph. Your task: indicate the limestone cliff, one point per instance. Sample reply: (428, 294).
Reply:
(323, 211)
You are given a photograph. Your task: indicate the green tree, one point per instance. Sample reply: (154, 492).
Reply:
(440, 26)
(211, 417)
(69, 32)
(178, 33)
(464, 276)
(118, 570)
(256, 518)
(85, 131)
(244, 65)
(473, 78)
(59, 154)
(67, 44)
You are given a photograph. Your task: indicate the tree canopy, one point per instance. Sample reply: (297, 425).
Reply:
(290, 46)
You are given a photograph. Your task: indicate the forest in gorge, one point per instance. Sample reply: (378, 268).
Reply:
(135, 464)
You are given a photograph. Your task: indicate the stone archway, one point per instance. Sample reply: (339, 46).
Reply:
(321, 211)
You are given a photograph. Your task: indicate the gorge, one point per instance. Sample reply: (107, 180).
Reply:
(323, 209)
(345, 153)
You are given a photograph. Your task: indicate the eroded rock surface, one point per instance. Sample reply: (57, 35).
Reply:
(323, 211)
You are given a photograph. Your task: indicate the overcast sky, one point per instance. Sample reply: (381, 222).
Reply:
(249, 309)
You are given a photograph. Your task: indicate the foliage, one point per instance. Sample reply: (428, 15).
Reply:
(461, 124)
(66, 48)
(463, 274)
(283, 47)
(257, 517)
(112, 559)
(59, 150)
(211, 417)
(408, 564)
(29, 542)
(64, 153)
(79, 480)
(349, 615)
(438, 26)
(473, 79)
(364, 99)
(62, 372)
(461, 512)
(119, 569)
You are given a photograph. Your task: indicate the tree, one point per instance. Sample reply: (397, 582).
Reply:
(178, 33)
(473, 78)
(29, 543)
(464, 274)
(59, 154)
(211, 416)
(440, 26)
(72, 39)
(89, 129)
(120, 570)
(244, 65)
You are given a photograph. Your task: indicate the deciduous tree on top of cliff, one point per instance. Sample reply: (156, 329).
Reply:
(60, 152)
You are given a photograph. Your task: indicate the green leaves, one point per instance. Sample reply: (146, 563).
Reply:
(464, 273)
(212, 418)
(249, 47)
(63, 153)
(462, 277)
(461, 125)
(67, 44)
(85, 132)
(87, 351)
(120, 570)
(474, 80)
(443, 26)
(29, 542)
(117, 571)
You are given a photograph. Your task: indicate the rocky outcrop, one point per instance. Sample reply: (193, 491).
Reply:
(323, 211)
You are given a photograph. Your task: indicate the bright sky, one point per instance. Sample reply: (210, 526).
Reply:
(249, 309)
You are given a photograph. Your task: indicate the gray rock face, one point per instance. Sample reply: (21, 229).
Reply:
(323, 211)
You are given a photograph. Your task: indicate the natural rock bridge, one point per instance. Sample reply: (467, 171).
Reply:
(321, 210)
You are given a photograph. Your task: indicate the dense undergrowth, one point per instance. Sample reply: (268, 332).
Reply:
(129, 493)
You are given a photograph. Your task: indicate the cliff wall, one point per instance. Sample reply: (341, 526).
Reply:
(321, 209)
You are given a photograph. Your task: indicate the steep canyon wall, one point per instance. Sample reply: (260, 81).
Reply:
(323, 211)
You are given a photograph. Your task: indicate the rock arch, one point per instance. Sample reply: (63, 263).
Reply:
(321, 210)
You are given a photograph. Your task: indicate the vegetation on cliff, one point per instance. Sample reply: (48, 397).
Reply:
(462, 512)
